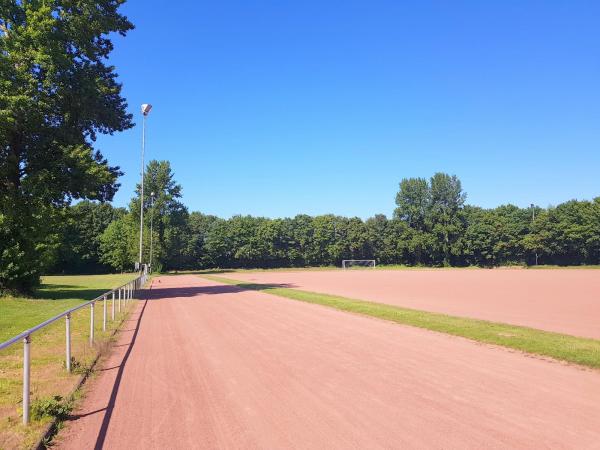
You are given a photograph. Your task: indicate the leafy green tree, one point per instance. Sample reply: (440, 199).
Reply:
(199, 228)
(327, 244)
(538, 241)
(495, 236)
(302, 232)
(56, 95)
(273, 242)
(117, 248)
(79, 250)
(567, 234)
(413, 202)
(445, 219)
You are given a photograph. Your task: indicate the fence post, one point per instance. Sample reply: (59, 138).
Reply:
(26, 372)
(120, 290)
(91, 323)
(112, 313)
(68, 341)
(104, 313)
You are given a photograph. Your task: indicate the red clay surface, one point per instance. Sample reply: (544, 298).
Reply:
(564, 301)
(203, 365)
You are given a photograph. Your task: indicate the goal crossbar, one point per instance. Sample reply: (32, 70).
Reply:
(347, 263)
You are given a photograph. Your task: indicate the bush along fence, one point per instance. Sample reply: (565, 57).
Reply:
(116, 297)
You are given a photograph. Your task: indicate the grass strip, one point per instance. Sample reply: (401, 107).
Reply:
(49, 379)
(54, 296)
(576, 350)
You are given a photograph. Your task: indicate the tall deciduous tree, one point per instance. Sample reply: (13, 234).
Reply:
(116, 244)
(446, 202)
(56, 94)
(413, 202)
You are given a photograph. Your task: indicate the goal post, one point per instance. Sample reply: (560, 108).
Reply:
(349, 263)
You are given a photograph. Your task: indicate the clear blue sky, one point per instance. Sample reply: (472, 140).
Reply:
(276, 108)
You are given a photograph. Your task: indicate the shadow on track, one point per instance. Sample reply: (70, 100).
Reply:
(113, 395)
(178, 292)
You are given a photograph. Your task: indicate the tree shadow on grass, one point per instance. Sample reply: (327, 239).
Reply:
(66, 292)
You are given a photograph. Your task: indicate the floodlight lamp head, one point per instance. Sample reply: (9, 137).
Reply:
(151, 194)
(146, 107)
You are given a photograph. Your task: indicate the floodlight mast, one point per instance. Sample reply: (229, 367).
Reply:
(146, 107)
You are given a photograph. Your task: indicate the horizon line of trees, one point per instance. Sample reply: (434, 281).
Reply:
(431, 226)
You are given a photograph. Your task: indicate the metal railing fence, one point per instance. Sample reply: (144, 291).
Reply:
(123, 293)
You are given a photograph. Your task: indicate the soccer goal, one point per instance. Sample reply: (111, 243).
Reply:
(349, 263)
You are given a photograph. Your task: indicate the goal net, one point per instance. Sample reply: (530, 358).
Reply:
(349, 263)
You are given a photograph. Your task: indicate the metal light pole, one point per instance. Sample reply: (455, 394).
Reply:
(151, 220)
(146, 107)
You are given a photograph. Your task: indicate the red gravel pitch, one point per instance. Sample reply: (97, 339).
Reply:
(564, 301)
(202, 365)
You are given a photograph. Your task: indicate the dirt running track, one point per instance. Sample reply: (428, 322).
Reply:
(565, 301)
(203, 365)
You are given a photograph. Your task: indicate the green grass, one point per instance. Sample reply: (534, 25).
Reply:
(550, 266)
(220, 271)
(48, 375)
(576, 350)
(55, 295)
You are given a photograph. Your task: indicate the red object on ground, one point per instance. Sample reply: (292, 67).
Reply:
(203, 365)
(561, 300)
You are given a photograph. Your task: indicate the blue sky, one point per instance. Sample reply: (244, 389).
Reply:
(275, 108)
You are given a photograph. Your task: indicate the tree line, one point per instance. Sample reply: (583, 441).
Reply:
(431, 226)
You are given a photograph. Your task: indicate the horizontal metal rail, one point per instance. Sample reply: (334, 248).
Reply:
(124, 292)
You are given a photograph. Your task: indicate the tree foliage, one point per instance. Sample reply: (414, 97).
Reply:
(431, 226)
(79, 250)
(56, 94)
(116, 244)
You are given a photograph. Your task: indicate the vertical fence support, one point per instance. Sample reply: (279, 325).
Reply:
(112, 312)
(91, 324)
(104, 313)
(68, 342)
(26, 373)
(120, 291)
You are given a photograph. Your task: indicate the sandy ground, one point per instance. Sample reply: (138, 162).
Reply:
(564, 301)
(202, 365)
